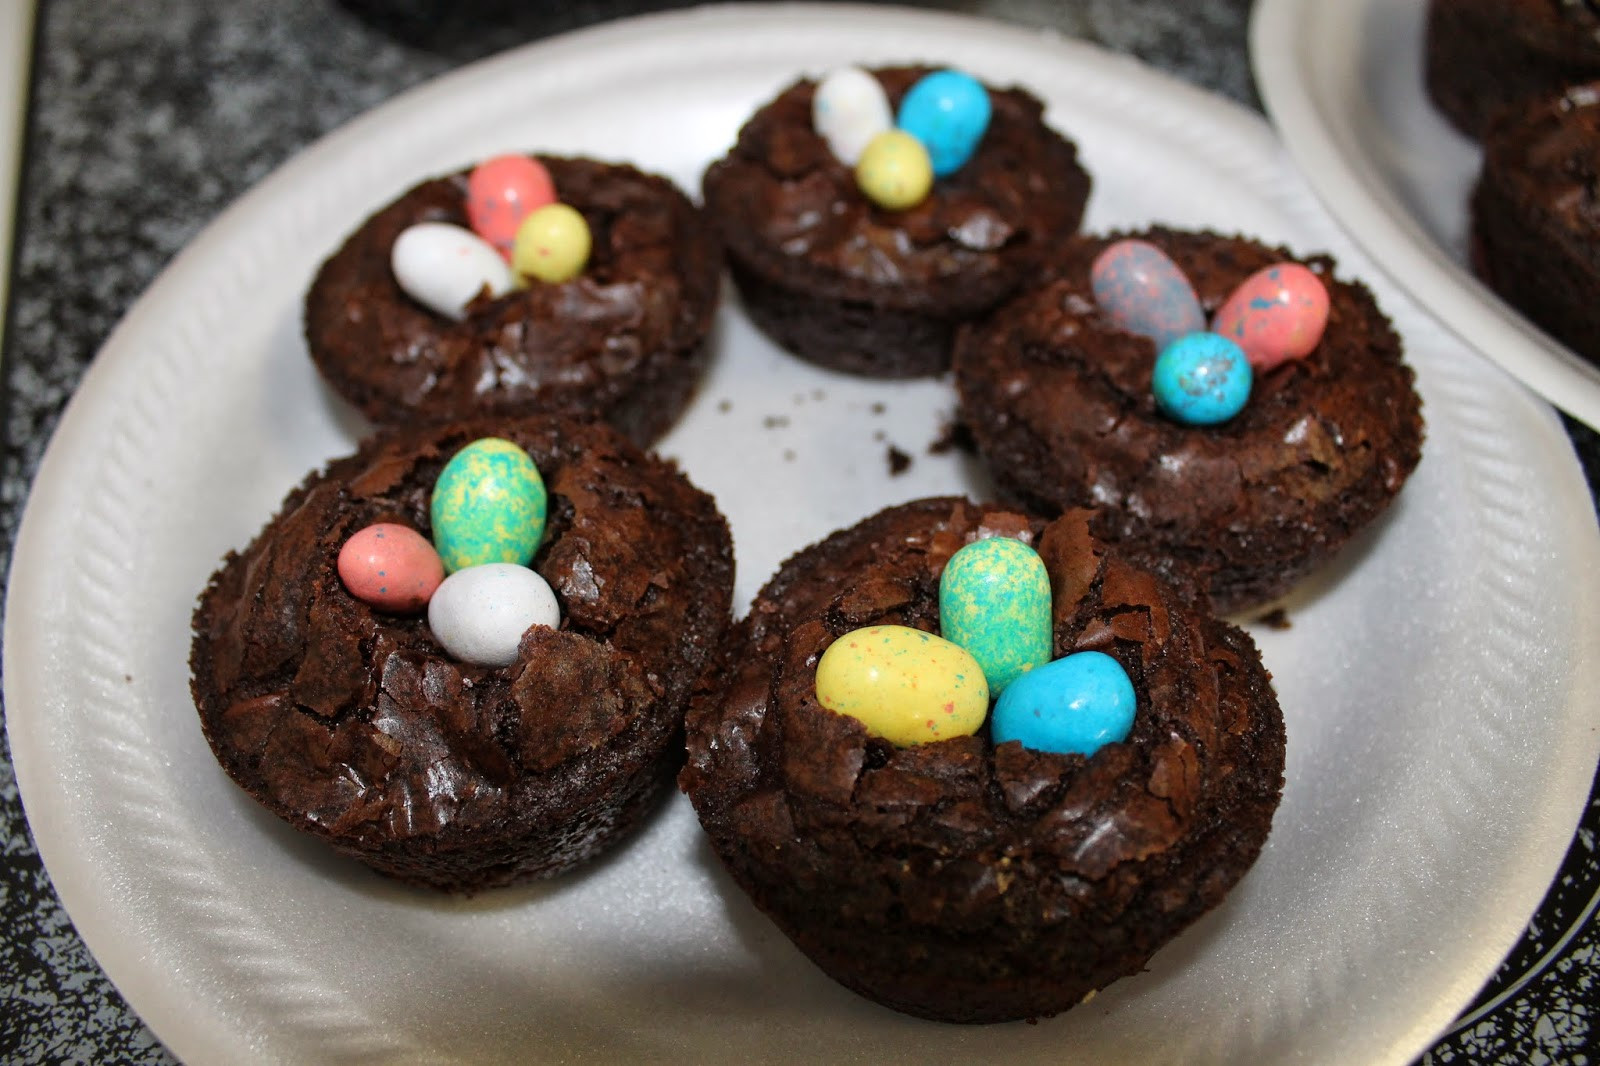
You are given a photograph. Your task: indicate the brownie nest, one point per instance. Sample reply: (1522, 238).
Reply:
(852, 286)
(1058, 400)
(958, 880)
(357, 727)
(1535, 218)
(1481, 55)
(624, 341)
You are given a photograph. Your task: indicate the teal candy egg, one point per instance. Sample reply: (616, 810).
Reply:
(1075, 705)
(488, 506)
(948, 111)
(994, 601)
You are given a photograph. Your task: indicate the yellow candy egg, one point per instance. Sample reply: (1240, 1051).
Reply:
(552, 244)
(904, 685)
(895, 171)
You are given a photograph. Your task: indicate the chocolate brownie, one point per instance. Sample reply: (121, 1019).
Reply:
(358, 728)
(960, 880)
(623, 341)
(1059, 403)
(1535, 223)
(1481, 55)
(849, 285)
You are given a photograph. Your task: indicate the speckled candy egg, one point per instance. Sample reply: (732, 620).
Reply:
(894, 171)
(1201, 380)
(848, 109)
(479, 614)
(948, 111)
(994, 601)
(553, 244)
(445, 267)
(904, 685)
(1076, 704)
(1141, 290)
(503, 191)
(488, 506)
(390, 567)
(1275, 315)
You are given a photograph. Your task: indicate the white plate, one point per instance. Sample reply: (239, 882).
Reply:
(1343, 83)
(1437, 685)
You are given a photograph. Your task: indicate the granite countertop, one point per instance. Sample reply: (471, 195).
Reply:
(149, 117)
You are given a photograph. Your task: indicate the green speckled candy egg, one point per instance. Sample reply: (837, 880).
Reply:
(994, 601)
(488, 506)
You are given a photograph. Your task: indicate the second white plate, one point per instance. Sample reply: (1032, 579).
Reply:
(1438, 685)
(1343, 83)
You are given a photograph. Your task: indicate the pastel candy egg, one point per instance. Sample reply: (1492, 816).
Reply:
(1141, 290)
(848, 109)
(479, 614)
(1275, 315)
(444, 267)
(390, 567)
(488, 506)
(503, 191)
(894, 172)
(553, 244)
(904, 685)
(1201, 380)
(1076, 704)
(948, 111)
(994, 601)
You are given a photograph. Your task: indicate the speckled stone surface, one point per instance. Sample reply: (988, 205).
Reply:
(149, 116)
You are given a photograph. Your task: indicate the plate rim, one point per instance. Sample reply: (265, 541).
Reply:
(73, 427)
(1293, 63)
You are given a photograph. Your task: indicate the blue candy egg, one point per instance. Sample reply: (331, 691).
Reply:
(947, 111)
(1075, 704)
(1201, 379)
(1140, 289)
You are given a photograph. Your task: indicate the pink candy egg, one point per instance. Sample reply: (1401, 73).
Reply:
(1143, 291)
(501, 192)
(1277, 314)
(390, 567)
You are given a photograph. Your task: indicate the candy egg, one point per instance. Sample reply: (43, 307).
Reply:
(1141, 290)
(479, 614)
(488, 506)
(894, 171)
(444, 267)
(503, 191)
(1275, 315)
(994, 601)
(1076, 704)
(553, 244)
(1201, 379)
(948, 111)
(904, 685)
(848, 109)
(390, 567)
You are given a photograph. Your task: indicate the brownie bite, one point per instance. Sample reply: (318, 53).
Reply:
(1482, 55)
(961, 880)
(624, 341)
(1059, 402)
(358, 728)
(852, 286)
(1535, 223)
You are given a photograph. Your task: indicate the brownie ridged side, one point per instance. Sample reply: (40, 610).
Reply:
(854, 287)
(625, 341)
(1058, 400)
(958, 880)
(357, 727)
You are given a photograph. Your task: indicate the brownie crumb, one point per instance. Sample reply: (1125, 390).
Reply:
(724, 406)
(775, 421)
(788, 455)
(1277, 618)
(954, 435)
(899, 461)
(877, 408)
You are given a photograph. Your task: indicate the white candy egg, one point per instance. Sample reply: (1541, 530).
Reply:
(443, 267)
(479, 614)
(848, 109)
